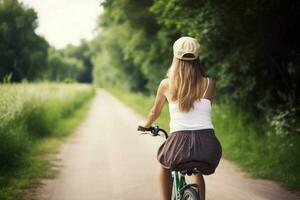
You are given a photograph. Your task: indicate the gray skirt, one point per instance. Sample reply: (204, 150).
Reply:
(191, 145)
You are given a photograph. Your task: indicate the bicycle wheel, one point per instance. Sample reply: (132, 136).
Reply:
(190, 194)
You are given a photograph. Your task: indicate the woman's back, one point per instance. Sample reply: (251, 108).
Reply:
(195, 119)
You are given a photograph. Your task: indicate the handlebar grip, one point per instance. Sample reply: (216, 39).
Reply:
(154, 130)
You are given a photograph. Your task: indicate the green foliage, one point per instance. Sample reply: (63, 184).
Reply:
(284, 119)
(29, 112)
(266, 155)
(249, 48)
(82, 53)
(22, 52)
(27, 56)
(7, 78)
(112, 66)
(131, 46)
(23, 142)
(63, 67)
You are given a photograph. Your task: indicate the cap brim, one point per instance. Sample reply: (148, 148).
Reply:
(186, 58)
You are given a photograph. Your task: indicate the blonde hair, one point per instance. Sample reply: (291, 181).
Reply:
(185, 82)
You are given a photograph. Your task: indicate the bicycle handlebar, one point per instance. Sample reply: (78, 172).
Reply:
(154, 130)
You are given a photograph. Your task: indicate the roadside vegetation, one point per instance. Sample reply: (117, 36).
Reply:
(35, 117)
(38, 104)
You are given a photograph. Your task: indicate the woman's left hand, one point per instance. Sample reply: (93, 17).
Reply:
(144, 125)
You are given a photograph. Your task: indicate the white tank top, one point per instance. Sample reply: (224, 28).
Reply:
(195, 119)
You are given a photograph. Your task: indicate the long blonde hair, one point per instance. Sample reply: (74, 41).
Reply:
(185, 82)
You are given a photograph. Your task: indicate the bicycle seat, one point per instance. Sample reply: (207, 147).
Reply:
(193, 167)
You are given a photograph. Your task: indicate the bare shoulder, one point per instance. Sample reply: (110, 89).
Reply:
(163, 87)
(164, 83)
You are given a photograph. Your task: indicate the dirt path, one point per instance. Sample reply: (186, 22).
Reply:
(106, 159)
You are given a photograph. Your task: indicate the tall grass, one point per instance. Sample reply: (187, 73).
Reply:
(246, 139)
(30, 115)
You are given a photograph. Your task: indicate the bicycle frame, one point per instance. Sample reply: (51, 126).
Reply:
(178, 184)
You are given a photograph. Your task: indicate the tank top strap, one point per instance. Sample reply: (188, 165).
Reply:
(206, 87)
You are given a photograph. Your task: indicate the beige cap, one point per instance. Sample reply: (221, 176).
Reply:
(186, 45)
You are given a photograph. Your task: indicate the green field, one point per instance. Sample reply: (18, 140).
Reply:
(246, 140)
(34, 120)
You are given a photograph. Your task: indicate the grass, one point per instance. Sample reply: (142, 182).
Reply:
(246, 140)
(35, 120)
(251, 144)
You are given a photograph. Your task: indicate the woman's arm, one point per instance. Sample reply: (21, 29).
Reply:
(158, 105)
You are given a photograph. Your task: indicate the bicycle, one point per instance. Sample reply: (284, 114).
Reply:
(181, 190)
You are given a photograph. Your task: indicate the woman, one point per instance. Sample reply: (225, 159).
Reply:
(189, 93)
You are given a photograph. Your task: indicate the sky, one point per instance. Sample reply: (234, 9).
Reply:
(64, 22)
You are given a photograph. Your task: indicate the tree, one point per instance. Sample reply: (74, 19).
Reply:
(82, 52)
(22, 52)
(63, 68)
(139, 48)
